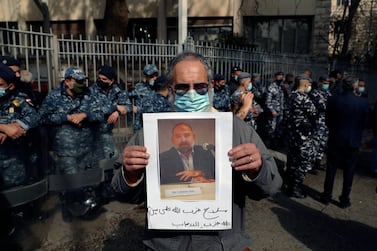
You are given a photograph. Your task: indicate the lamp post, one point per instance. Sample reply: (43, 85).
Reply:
(182, 23)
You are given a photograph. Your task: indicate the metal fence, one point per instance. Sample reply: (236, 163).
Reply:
(47, 56)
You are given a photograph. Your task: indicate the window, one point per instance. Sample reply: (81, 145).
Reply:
(10, 25)
(142, 29)
(209, 33)
(209, 29)
(202, 29)
(287, 35)
(62, 28)
(340, 2)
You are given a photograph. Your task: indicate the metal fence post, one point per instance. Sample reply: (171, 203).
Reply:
(55, 60)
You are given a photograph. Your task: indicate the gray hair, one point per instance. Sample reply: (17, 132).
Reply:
(189, 56)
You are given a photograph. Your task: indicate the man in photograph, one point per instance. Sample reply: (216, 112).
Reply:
(185, 161)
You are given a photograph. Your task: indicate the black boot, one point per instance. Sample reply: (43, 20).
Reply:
(318, 165)
(294, 183)
(313, 171)
(64, 200)
(325, 198)
(66, 214)
(296, 191)
(344, 201)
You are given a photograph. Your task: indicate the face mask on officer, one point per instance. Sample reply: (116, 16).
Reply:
(361, 89)
(4, 91)
(196, 100)
(249, 86)
(78, 87)
(325, 87)
(103, 85)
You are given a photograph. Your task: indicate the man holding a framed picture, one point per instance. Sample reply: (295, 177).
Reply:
(254, 172)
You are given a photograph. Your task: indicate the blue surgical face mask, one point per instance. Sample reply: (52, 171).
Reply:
(325, 87)
(361, 89)
(249, 86)
(3, 92)
(151, 82)
(236, 78)
(191, 101)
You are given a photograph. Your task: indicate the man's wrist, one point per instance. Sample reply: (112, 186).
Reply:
(250, 175)
(132, 178)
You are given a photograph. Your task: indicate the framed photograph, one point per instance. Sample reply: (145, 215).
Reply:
(189, 175)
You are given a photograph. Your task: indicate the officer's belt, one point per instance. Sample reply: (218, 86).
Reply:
(20, 195)
(89, 177)
(24, 194)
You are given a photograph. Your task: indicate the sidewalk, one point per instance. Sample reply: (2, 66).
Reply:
(281, 223)
(306, 224)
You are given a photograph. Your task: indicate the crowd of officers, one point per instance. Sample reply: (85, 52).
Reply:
(70, 129)
(66, 131)
(288, 113)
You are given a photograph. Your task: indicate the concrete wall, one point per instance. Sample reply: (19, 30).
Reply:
(222, 8)
(89, 10)
(15, 10)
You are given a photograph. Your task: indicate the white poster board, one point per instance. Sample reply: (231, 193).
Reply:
(199, 203)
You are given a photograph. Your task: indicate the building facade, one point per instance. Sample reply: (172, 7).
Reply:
(286, 26)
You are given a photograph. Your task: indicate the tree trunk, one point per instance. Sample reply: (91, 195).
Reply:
(43, 7)
(115, 19)
(348, 26)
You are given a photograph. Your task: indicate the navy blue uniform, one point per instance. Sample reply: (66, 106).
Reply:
(72, 144)
(106, 103)
(15, 153)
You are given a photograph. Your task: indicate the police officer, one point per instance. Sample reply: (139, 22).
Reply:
(242, 101)
(112, 102)
(69, 111)
(23, 83)
(319, 98)
(360, 88)
(258, 89)
(17, 117)
(142, 91)
(221, 99)
(232, 84)
(24, 79)
(301, 149)
(159, 101)
(275, 108)
(336, 82)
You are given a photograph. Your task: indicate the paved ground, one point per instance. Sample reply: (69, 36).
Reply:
(280, 223)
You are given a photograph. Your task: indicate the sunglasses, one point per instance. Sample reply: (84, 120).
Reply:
(200, 88)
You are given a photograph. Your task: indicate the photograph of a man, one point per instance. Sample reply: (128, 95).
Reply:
(185, 161)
